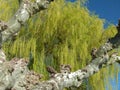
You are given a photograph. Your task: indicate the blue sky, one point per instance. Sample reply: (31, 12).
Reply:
(110, 11)
(106, 9)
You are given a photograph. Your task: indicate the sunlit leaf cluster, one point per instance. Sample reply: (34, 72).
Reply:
(65, 33)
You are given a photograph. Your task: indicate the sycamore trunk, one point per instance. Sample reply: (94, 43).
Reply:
(65, 33)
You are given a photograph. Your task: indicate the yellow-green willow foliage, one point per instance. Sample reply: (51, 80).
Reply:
(65, 33)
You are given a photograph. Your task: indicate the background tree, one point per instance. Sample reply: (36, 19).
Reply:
(63, 34)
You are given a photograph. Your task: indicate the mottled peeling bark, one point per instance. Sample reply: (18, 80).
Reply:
(15, 75)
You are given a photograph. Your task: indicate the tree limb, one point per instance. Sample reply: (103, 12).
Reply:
(15, 75)
(26, 10)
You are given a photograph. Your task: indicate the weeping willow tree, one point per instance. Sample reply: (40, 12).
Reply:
(63, 34)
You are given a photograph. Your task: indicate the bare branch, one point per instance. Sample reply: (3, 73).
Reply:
(15, 75)
(19, 77)
(26, 10)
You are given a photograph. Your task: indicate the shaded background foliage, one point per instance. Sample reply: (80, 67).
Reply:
(65, 33)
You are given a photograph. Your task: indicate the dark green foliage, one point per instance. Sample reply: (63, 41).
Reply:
(31, 61)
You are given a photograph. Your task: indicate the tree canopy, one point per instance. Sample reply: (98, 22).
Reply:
(65, 33)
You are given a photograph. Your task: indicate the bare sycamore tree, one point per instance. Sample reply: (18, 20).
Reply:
(15, 75)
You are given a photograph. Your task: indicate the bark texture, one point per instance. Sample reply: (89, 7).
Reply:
(15, 75)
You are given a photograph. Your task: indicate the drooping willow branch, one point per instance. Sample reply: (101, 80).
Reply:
(25, 11)
(15, 75)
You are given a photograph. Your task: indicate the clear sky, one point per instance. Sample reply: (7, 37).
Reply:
(106, 9)
(110, 11)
